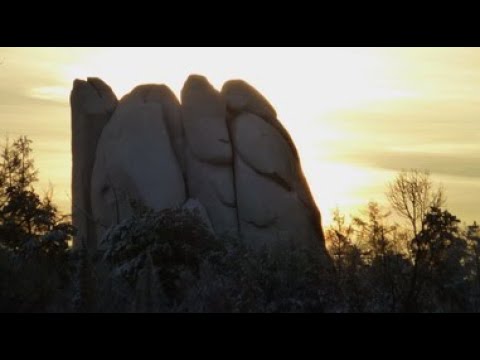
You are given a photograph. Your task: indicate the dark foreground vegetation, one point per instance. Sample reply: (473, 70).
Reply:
(414, 257)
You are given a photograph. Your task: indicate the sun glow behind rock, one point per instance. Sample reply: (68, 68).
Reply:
(303, 91)
(335, 102)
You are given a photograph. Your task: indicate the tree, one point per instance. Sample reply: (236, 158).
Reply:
(338, 238)
(349, 265)
(26, 220)
(373, 231)
(33, 236)
(385, 260)
(473, 238)
(439, 254)
(412, 194)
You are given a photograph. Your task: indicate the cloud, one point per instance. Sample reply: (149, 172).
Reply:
(51, 93)
(460, 165)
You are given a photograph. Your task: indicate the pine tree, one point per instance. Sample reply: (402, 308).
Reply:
(33, 236)
(25, 218)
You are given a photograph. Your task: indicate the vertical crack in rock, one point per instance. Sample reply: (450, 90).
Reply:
(229, 119)
(208, 152)
(184, 160)
(228, 203)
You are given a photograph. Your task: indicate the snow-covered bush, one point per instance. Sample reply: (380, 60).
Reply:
(169, 261)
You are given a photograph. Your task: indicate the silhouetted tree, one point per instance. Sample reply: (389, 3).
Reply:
(348, 259)
(439, 253)
(386, 263)
(339, 240)
(412, 195)
(26, 220)
(473, 239)
(373, 231)
(33, 235)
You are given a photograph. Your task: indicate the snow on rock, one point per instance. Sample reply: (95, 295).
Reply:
(196, 207)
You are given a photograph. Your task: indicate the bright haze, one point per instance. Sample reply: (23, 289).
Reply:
(357, 115)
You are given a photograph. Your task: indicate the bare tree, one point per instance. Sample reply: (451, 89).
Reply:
(412, 194)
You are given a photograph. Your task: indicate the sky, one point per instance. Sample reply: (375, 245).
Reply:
(357, 115)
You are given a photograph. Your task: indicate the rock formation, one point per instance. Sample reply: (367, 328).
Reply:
(224, 152)
(136, 160)
(92, 103)
(208, 153)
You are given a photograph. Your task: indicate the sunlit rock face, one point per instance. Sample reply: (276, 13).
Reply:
(224, 151)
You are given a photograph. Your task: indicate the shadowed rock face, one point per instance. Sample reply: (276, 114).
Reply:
(208, 153)
(136, 160)
(92, 104)
(226, 152)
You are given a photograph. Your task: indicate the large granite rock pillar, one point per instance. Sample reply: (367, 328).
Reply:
(92, 104)
(136, 161)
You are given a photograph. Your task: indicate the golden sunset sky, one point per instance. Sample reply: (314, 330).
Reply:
(357, 115)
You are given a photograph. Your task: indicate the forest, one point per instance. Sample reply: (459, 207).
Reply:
(412, 256)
